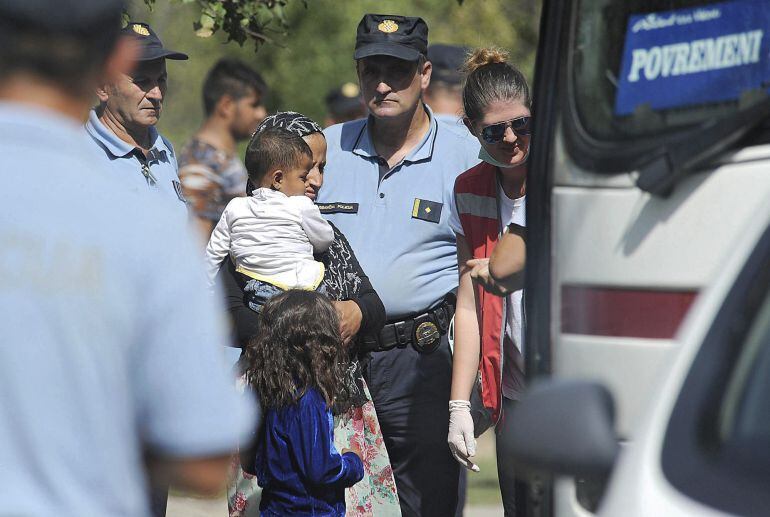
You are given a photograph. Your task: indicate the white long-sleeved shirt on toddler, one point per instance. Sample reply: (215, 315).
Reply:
(271, 237)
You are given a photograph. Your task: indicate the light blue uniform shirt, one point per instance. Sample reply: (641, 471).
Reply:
(398, 227)
(110, 342)
(160, 178)
(453, 121)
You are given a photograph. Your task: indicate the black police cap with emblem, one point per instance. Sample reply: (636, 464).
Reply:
(62, 16)
(402, 37)
(344, 99)
(447, 60)
(150, 46)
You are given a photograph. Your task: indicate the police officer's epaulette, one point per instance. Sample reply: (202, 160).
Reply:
(427, 210)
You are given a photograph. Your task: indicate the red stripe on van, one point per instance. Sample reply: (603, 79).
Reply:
(602, 311)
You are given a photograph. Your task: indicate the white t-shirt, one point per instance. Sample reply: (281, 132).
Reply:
(272, 237)
(511, 210)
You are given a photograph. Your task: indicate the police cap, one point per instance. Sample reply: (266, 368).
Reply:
(447, 61)
(402, 37)
(150, 46)
(62, 15)
(344, 99)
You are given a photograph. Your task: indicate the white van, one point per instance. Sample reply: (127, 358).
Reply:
(703, 445)
(650, 160)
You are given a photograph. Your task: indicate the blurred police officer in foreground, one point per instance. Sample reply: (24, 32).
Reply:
(444, 94)
(123, 124)
(344, 104)
(101, 374)
(389, 188)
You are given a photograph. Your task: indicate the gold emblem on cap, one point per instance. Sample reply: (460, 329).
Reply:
(388, 26)
(350, 90)
(140, 29)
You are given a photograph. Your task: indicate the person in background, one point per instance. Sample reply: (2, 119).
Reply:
(209, 167)
(388, 188)
(122, 126)
(488, 320)
(104, 381)
(344, 104)
(444, 93)
(296, 366)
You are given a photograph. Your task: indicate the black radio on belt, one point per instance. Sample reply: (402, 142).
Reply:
(423, 332)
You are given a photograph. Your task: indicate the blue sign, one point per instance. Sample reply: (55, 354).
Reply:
(694, 56)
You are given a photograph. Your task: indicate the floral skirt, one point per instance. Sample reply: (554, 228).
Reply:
(374, 496)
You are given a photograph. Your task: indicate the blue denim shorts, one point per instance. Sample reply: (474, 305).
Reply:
(258, 292)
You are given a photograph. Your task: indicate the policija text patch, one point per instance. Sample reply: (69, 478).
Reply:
(427, 210)
(338, 208)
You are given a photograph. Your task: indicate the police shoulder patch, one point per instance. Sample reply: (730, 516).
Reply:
(427, 210)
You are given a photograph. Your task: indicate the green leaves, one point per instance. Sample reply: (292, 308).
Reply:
(241, 20)
(206, 26)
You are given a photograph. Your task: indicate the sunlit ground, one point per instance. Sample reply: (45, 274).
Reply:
(483, 491)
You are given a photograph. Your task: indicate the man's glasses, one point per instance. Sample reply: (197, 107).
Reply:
(496, 132)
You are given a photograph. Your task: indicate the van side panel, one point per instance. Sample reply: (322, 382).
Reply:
(623, 238)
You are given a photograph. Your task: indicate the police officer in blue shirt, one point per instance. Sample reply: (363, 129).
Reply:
(123, 127)
(444, 94)
(123, 124)
(388, 187)
(104, 378)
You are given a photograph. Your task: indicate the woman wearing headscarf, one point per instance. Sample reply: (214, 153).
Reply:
(361, 313)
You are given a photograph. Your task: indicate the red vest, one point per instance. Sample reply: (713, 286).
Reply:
(478, 207)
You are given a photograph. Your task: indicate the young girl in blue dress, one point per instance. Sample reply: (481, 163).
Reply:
(296, 366)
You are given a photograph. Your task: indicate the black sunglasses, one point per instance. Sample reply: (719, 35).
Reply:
(495, 133)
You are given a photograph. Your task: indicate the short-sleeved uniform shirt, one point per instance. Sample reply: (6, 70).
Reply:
(210, 178)
(398, 225)
(154, 176)
(98, 360)
(452, 121)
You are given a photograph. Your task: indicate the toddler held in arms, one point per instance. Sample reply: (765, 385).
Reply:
(295, 365)
(272, 234)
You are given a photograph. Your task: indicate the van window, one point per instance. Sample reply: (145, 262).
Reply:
(642, 69)
(717, 445)
(744, 420)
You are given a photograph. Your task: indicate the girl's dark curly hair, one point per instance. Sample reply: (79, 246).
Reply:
(298, 347)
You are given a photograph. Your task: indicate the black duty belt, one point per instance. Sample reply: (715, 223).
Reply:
(423, 332)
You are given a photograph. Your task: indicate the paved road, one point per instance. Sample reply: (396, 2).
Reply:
(179, 506)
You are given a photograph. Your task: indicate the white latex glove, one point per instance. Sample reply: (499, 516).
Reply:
(461, 441)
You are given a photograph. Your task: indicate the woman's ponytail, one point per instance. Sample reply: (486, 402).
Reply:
(489, 77)
(484, 56)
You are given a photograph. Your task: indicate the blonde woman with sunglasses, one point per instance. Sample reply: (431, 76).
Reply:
(490, 202)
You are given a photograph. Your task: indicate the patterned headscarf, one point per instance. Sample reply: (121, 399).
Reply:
(291, 121)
